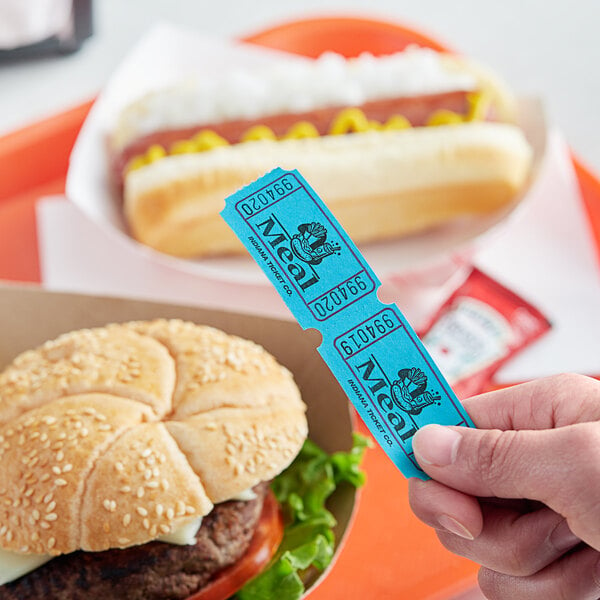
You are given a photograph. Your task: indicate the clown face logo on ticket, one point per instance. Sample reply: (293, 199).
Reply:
(301, 254)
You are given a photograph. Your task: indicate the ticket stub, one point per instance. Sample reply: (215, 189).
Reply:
(326, 283)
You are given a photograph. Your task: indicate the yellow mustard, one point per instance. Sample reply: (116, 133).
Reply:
(258, 133)
(479, 103)
(348, 120)
(300, 130)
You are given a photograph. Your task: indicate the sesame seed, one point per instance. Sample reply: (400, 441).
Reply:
(170, 513)
(164, 484)
(124, 540)
(56, 470)
(126, 519)
(140, 492)
(119, 466)
(60, 482)
(146, 524)
(180, 507)
(141, 511)
(164, 528)
(51, 517)
(190, 510)
(147, 452)
(152, 484)
(51, 506)
(44, 525)
(125, 489)
(159, 509)
(106, 504)
(60, 455)
(48, 497)
(51, 542)
(68, 467)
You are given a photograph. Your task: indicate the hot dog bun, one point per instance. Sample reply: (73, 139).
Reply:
(379, 185)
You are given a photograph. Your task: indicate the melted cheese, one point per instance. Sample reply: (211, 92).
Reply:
(246, 495)
(13, 565)
(184, 535)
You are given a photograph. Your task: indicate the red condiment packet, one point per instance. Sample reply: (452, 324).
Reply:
(481, 326)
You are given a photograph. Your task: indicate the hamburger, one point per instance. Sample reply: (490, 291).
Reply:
(135, 460)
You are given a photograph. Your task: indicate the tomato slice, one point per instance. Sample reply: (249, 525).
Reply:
(264, 543)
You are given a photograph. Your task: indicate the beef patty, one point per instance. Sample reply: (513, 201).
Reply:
(152, 571)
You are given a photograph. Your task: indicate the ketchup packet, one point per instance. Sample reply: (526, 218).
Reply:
(479, 328)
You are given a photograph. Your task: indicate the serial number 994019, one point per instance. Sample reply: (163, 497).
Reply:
(366, 333)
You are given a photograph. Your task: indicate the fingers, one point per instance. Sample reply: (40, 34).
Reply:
(505, 537)
(542, 404)
(513, 543)
(576, 577)
(442, 507)
(559, 467)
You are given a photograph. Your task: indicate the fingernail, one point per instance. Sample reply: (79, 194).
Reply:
(436, 445)
(562, 538)
(453, 526)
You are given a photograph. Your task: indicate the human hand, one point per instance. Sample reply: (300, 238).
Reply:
(520, 495)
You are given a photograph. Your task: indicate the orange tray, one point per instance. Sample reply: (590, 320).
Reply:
(388, 554)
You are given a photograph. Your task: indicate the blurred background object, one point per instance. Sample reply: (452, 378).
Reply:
(40, 27)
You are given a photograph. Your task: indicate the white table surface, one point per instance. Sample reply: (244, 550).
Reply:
(550, 48)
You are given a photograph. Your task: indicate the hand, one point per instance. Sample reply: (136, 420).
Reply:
(520, 495)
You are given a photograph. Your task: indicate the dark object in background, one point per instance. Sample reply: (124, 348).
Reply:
(82, 28)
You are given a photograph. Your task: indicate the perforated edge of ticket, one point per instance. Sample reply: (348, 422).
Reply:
(371, 349)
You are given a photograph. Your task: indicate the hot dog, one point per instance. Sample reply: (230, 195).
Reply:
(394, 145)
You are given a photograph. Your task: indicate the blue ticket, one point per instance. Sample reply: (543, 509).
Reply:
(369, 346)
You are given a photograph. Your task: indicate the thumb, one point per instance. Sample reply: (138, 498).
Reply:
(559, 467)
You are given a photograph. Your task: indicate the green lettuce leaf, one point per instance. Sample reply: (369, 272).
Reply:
(308, 541)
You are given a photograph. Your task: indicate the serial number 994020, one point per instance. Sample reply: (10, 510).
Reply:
(261, 199)
(341, 296)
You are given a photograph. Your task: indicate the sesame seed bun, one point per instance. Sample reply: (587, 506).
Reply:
(111, 437)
